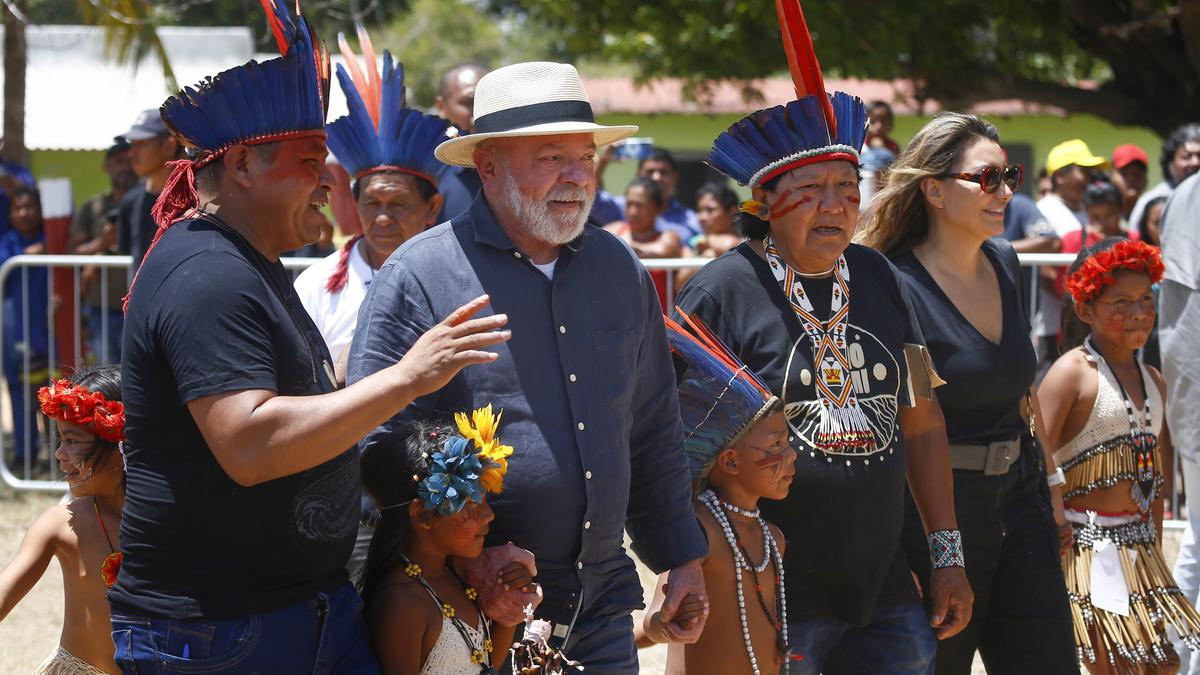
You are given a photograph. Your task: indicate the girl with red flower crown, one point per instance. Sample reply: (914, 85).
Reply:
(1103, 411)
(81, 533)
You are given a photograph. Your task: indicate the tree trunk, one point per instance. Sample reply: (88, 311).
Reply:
(15, 58)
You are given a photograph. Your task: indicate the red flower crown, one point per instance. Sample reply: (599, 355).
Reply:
(68, 402)
(1097, 271)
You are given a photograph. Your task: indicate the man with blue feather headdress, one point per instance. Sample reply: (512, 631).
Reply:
(243, 484)
(387, 149)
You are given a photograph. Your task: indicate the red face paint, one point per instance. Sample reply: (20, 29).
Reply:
(777, 209)
(853, 200)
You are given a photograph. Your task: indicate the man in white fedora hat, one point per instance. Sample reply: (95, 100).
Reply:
(586, 384)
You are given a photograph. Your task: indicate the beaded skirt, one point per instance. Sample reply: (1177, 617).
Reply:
(1139, 636)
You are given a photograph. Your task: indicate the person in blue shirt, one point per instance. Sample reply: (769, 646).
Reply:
(585, 385)
(25, 336)
(660, 167)
(12, 177)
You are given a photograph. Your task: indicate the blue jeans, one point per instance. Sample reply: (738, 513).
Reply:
(897, 641)
(98, 323)
(322, 635)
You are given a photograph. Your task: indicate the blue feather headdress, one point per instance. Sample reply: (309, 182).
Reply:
(380, 133)
(773, 141)
(253, 103)
(816, 127)
(719, 397)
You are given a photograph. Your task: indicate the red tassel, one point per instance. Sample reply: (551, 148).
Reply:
(802, 58)
(178, 195)
(341, 273)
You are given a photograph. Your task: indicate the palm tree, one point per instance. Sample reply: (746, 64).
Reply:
(129, 35)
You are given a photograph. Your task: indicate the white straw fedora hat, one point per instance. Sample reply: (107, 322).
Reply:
(529, 99)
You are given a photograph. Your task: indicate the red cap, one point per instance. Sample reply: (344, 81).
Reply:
(1123, 155)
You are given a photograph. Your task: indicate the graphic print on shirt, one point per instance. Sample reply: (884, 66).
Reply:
(875, 377)
(328, 508)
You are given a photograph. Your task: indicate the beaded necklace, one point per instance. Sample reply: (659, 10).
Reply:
(1142, 439)
(844, 428)
(481, 655)
(742, 562)
(112, 562)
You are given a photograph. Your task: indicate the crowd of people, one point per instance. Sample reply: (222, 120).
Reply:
(848, 444)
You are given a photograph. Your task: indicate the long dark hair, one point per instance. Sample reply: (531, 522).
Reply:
(1073, 330)
(391, 472)
(106, 381)
(1143, 224)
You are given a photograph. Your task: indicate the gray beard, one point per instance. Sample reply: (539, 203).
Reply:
(535, 217)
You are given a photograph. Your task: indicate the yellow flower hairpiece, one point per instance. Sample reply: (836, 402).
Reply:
(481, 429)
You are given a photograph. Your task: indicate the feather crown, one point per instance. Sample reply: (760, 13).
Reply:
(816, 127)
(720, 398)
(380, 133)
(257, 102)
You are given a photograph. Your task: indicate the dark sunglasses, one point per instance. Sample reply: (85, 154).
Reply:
(989, 179)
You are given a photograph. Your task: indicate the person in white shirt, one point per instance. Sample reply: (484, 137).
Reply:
(1070, 165)
(1180, 158)
(388, 151)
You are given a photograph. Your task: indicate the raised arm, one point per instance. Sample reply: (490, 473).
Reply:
(258, 436)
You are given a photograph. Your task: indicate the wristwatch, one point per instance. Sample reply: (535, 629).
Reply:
(1057, 478)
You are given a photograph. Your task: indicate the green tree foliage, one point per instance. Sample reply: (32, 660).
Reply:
(1129, 61)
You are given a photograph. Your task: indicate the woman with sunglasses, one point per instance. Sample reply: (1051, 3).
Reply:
(936, 218)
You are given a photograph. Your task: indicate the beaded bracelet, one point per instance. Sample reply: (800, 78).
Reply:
(945, 549)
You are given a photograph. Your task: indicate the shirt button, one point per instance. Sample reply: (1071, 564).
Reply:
(579, 565)
(562, 329)
(572, 377)
(587, 525)
(580, 425)
(587, 475)
(517, 255)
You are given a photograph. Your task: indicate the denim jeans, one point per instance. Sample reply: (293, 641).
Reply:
(897, 641)
(1021, 622)
(322, 635)
(105, 323)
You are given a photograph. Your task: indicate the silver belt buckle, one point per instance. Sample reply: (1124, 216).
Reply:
(1000, 457)
(561, 631)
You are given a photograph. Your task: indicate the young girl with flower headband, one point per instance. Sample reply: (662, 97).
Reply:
(422, 615)
(1103, 411)
(81, 533)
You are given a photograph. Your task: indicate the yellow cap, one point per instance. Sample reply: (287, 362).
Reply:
(1074, 151)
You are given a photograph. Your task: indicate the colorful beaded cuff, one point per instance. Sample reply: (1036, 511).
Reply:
(945, 549)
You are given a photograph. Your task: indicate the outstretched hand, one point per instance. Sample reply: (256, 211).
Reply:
(685, 605)
(503, 575)
(455, 343)
(952, 601)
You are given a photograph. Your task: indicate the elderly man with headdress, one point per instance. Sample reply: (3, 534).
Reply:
(243, 482)
(586, 384)
(388, 151)
(828, 326)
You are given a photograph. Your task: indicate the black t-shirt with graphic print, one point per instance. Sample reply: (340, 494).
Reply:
(210, 315)
(843, 514)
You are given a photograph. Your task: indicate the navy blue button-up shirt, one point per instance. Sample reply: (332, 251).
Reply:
(587, 389)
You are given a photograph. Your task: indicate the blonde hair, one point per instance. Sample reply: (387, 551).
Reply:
(897, 219)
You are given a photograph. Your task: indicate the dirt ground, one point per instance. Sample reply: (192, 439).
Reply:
(31, 631)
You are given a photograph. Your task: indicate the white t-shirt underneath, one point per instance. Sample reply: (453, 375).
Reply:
(335, 313)
(547, 269)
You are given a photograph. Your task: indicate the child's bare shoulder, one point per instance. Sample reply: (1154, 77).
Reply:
(711, 527)
(402, 601)
(777, 533)
(1068, 372)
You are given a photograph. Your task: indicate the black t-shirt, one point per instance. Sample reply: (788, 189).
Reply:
(843, 514)
(135, 224)
(985, 381)
(211, 315)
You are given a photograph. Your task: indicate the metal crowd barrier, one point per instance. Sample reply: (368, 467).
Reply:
(66, 349)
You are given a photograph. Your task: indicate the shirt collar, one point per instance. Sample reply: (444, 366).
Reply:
(488, 230)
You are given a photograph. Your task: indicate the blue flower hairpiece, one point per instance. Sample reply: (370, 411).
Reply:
(454, 478)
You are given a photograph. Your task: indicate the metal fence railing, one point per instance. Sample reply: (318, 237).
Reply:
(60, 311)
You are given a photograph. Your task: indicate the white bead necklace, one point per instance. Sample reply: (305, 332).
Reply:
(741, 564)
(756, 513)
